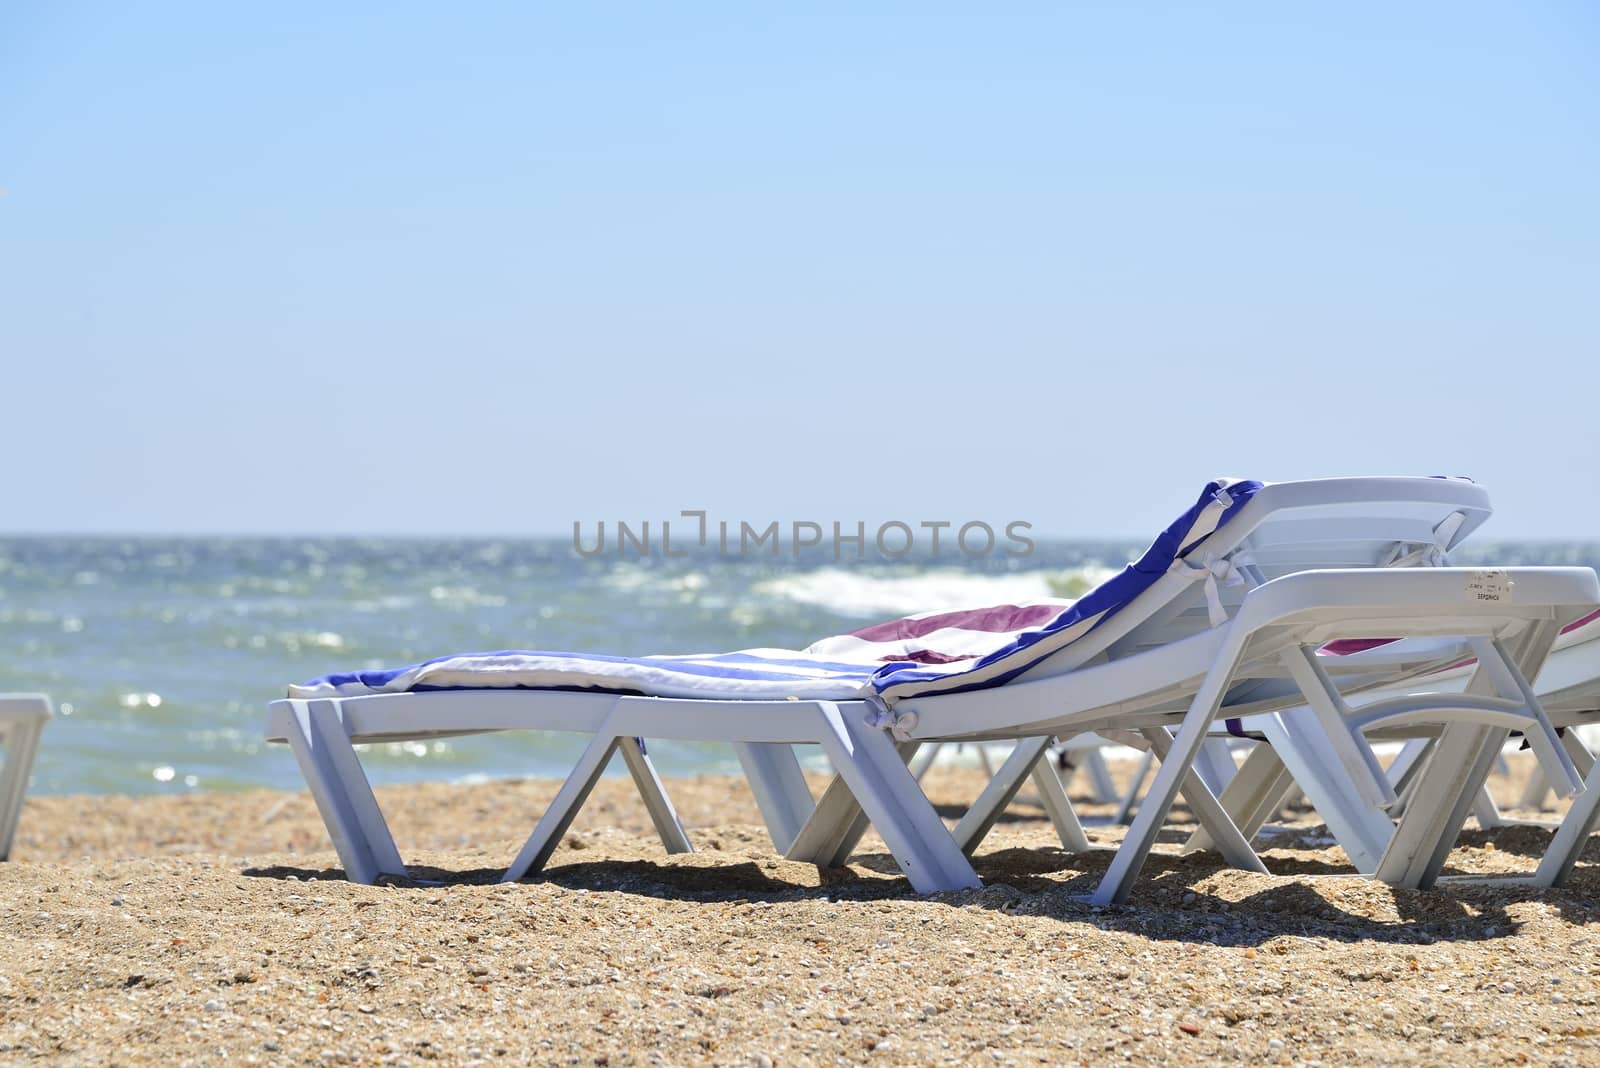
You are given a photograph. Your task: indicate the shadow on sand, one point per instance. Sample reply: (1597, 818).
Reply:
(1304, 897)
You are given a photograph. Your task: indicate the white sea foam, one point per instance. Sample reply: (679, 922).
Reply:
(629, 578)
(464, 597)
(873, 594)
(636, 579)
(392, 602)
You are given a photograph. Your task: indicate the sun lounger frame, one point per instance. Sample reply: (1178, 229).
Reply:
(1306, 609)
(22, 720)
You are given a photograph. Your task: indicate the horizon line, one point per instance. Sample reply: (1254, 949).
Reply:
(547, 535)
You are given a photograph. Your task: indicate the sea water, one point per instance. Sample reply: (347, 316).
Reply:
(162, 653)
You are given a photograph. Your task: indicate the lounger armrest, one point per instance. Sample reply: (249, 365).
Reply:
(1421, 602)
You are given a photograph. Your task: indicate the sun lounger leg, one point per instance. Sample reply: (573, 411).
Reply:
(1130, 800)
(835, 826)
(1101, 787)
(1483, 806)
(1326, 719)
(535, 853)
(779, 786)
(668, 827)
(1253, 797)
(1226, 837)
(984, 758)
(1002, 787)
(1462, 758)
(1273, 797)
(1214, 764)
(12, 781)
(1535, 791)
(1117, 884)
(343, 795)
(1360, 827)
(1573, 834)
(1406, 790)
(1439, 803)
(875, 770)
(1053, 795)
(925, 759)
(1405, 770)
(1538, 788)
(1582, 759)
(837, 823)
(21, 745)
(1408, 762)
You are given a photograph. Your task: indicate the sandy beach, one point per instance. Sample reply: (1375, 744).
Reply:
(215, 928)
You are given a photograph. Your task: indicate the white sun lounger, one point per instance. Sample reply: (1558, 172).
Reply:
(1178, 651)
(22, 718)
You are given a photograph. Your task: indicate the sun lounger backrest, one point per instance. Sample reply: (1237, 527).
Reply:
(1288, 527)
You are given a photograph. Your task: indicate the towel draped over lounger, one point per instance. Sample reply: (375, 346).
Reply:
(940, 652)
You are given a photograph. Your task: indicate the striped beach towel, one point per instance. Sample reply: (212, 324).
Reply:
(942, 652)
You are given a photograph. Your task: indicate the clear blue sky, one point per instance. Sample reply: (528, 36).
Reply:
(403, 268)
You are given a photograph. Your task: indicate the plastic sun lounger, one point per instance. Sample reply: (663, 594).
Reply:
(22, 719)
(1176, 653)
(779, 786)
(772, 769)
(1567, 687)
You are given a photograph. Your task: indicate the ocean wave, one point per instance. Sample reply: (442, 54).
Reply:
(464, 597)
(866, 594)
(635, 580)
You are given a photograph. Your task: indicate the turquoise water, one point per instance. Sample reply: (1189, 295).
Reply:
(162, 653)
